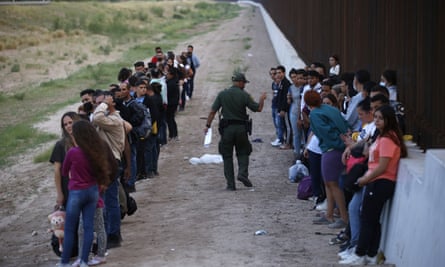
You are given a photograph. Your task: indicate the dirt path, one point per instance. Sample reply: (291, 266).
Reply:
(185, 216)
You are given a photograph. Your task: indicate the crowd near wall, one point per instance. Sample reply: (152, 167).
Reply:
(412, 233)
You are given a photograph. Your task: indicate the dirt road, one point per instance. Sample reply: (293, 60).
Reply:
(185, 216)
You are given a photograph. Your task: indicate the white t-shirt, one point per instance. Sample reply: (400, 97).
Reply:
(306, 88)
(313, 145)
(367, 131)
(334, 70)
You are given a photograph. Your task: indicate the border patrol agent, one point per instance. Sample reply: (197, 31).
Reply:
(234, 127)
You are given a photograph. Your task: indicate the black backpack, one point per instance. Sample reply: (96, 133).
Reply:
(139, 118)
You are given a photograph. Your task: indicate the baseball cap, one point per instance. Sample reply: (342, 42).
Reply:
(239, 77)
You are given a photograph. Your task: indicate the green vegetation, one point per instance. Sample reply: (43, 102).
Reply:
(18, 138)
(127, 28)
(15, 68)
(158, 11)
(44, 156)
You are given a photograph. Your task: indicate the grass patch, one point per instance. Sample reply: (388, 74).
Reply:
(19, 96)
(44, 156)
(2, 97)
(17, 138)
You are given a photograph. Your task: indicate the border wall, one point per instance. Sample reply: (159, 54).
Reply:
(404, 35)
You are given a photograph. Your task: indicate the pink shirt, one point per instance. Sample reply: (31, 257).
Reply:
(384, 147)
(78, 168)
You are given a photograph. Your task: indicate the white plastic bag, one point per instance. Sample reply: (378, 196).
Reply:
(208, 138)
(207, 159)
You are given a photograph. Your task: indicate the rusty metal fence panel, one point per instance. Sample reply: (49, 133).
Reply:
(405, 35)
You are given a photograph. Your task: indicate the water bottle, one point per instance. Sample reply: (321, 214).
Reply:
(302, 170)
(297, 171)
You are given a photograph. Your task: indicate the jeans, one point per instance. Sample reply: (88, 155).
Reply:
(191, 82)
(354, 215)
(296, 134)
(375, 195)
(150, 154)
(274, 119)
(79, 202)
(281, 127)
(315, 171)
(133, 162)
(112, 208)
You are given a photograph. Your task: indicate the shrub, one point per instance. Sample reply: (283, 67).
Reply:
(142, 16)
(177, 16)
(158, 11)
(15, 68)
(19, 96)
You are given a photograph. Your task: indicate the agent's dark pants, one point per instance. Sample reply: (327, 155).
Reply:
(235, 136)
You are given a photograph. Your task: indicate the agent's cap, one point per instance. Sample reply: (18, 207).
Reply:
(239, 77)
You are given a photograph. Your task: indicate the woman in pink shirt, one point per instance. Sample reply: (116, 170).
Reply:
(379, 182)
(87, 166)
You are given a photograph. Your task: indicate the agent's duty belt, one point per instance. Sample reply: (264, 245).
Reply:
(232, 122)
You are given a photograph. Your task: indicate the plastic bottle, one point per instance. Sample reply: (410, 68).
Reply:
(297, 171)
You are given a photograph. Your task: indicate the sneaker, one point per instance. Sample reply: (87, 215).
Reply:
(371, 260)
(322, 206)
(230, 188)
(277, 142)
(312, 198)
(96, 260)
(346, 253)
(354, 259)
(246, 182)
(345, 246)
(285, 147)
(83, 264)
(322, 220)
(338, 240)
(76, 263)
(339, 223)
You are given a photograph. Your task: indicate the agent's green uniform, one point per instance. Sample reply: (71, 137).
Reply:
(233, 102)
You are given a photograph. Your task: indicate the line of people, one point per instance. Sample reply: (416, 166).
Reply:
(113, 140)
(348, 130)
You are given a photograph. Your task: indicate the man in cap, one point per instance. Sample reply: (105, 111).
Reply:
(233, 128)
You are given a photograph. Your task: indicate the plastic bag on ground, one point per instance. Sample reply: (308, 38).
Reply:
(206, 159)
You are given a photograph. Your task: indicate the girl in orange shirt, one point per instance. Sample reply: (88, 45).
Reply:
(379, 182)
